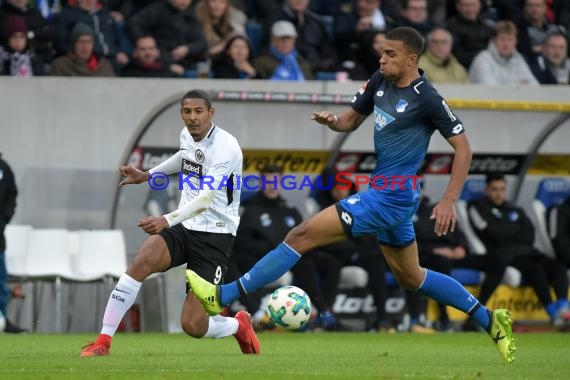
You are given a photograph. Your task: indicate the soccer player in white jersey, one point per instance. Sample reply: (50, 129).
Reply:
(199, 233)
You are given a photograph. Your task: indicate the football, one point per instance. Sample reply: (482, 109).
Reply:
(289, 307)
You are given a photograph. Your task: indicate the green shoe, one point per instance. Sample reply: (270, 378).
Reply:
(208, 294)
(502, 334)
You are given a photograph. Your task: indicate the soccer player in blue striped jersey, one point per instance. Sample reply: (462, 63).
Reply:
(407, 110)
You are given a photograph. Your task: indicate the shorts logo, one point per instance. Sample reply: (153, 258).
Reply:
(381, 118)
(191, 168)
(345, 216)
(199, 156)
(401, 106)
(352, 200)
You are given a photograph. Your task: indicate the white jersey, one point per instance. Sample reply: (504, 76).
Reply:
(214, 162)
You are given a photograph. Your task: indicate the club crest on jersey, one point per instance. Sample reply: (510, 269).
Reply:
(401, 106)
(381, 118)
(191, 168)
(199, 156)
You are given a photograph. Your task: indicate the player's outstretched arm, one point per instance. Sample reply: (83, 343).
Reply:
(132, 175)
(346, 122)
(444, 211)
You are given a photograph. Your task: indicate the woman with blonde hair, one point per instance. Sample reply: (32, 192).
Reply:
(220, 22)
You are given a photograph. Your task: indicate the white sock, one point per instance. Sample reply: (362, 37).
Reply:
(219, 327)
(120, 301)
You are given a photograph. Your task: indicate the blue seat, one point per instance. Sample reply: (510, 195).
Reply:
(472, 190)
(550, 193)
(390, 279)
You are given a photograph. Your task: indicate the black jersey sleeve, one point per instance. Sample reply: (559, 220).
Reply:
(441, 117)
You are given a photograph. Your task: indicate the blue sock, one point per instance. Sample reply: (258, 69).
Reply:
(551, 310)
(271, 266)
(448, 291)
(562, 304)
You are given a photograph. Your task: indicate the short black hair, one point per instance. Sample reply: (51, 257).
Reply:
(491, 177)
(412, 39)
(198, 94)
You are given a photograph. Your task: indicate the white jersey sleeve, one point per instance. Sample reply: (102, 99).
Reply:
(212, 164)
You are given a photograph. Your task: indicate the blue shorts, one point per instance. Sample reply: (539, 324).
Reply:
(382, 213)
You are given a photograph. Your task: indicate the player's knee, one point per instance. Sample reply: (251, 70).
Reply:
(195, 327)
(409, 281)
(141, 266)
(299, 237)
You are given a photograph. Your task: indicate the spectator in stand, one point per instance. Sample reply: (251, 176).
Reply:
(553, 65)
(15, 58)
(121, 10)
(501, 63)
(313, 41)
(220, 21)
(147, 62)
(174, 26)
(236, 62)
(367, 57)
(265, 10)
(81, 60)
(438, 64)
(561, 9)
(415, 15)
(492, 10)
(282, 61)
(508, 235)
(329, 7)
(40, 35)
(352, 30)
(471, 33)
(561, 232)
(533, 28)
(97, 16)
(437, 9)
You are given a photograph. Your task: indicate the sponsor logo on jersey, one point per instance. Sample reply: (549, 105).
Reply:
(381, 118)
(380, 93)
(199, 155)
(191, 168)
(401, 106)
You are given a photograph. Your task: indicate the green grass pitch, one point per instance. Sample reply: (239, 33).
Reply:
(286, 356)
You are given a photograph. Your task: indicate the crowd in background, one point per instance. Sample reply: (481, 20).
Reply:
(478, 41)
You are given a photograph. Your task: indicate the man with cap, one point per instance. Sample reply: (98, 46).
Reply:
(281, 61)
(81, 60)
